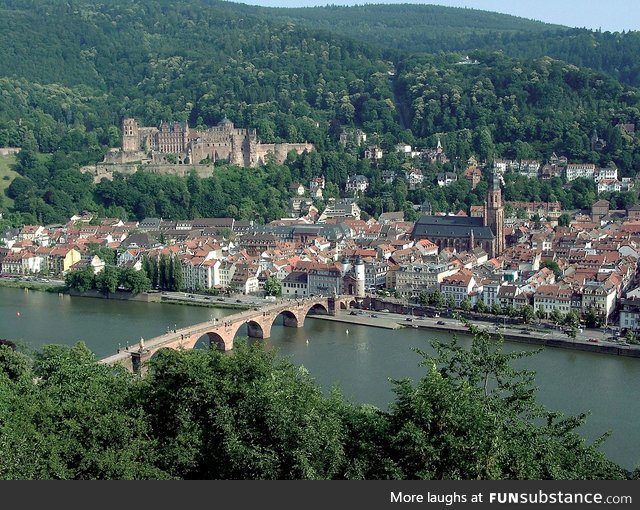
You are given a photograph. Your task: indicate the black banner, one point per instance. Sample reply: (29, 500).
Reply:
(470, 495)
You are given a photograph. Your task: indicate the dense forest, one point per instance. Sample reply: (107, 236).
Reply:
(69, 73)
(203, 415)
(433, 29)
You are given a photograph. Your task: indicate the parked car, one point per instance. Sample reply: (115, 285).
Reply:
(238, 300)
(220, 299)
(385, 310)
(409, 319)
(441, 323)
(593, 340)
(374, 316)
(353, 312)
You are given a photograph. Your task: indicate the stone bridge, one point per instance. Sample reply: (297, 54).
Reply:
(221, 332)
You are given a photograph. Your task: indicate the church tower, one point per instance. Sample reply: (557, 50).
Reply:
(494, 217)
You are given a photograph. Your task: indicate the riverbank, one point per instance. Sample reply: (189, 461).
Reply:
(29, 285)
(521, 335)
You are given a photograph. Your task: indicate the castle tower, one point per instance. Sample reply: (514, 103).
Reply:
(360, 278)
(130, 135)
(495, 214)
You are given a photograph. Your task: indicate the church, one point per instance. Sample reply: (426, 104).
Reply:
(465, 233)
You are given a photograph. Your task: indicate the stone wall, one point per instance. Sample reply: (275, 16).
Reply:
(103, 171)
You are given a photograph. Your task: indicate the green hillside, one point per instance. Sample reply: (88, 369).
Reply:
(6, 177)
(432, 29)
(70, 72)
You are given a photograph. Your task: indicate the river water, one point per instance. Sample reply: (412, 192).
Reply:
(360, 362)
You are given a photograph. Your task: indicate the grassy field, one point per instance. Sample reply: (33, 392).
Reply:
(5, 171)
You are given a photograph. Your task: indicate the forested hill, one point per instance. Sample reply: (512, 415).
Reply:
(433, 29)
(411, 27)
(197, 61)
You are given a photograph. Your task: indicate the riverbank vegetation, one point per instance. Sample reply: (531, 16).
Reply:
(202, 414)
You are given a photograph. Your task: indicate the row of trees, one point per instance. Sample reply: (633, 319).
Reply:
(164, 272)
(201, 414)
(108, 280)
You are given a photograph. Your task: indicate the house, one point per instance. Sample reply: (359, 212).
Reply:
(353, 136)
(295, 285)
(61, 258)
(316, 185)
(373, 153)
(599, 296)
(414, 178)
(296, 188)
(529, 168)
(324, 281)
(575, 170)
(356, 183)
(245, 279)
(550, 298)
(447, 178)
(473, 174)
(341, 208)
(609, 186)
(458, 286)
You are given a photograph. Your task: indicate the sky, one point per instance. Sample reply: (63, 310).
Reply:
(611, 15)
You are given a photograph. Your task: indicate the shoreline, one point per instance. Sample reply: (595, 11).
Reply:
(529, 337)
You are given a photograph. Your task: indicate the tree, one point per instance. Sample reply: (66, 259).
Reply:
(527, 313)
(557, 316)
(496, 309)
(437, 299)
(81, 280)
(246, 416)
(564, 220)
(572, 319)
(474, 416)
(480, 306)
(451, 302)
(592, 318)
(511, 311)
(553, 265)
(273, 287)
(465, 304)
(134, 281)
(107, 280)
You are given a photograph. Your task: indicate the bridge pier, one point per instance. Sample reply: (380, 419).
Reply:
(139, 361)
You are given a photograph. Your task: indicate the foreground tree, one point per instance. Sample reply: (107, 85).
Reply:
(473, 416)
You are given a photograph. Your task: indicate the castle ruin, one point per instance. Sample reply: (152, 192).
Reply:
(176, 143)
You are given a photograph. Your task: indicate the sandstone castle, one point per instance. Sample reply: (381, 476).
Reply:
(176, 143)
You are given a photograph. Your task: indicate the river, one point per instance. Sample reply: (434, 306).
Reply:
(360, 362)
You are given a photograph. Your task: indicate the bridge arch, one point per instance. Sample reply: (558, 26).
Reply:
(289, 319)
(317, 309)
(213, 339)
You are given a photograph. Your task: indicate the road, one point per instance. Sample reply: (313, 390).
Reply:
(523, 331)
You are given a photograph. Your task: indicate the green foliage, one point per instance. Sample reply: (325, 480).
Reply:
(70, 417)
(247, 416)
(81, 280)
(273, 287)
(206, 415)
(493, 429)
(553, 265)
(106, 281)
(527, 313)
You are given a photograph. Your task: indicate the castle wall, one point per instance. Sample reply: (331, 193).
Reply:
(104, 171)
(223, 142)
